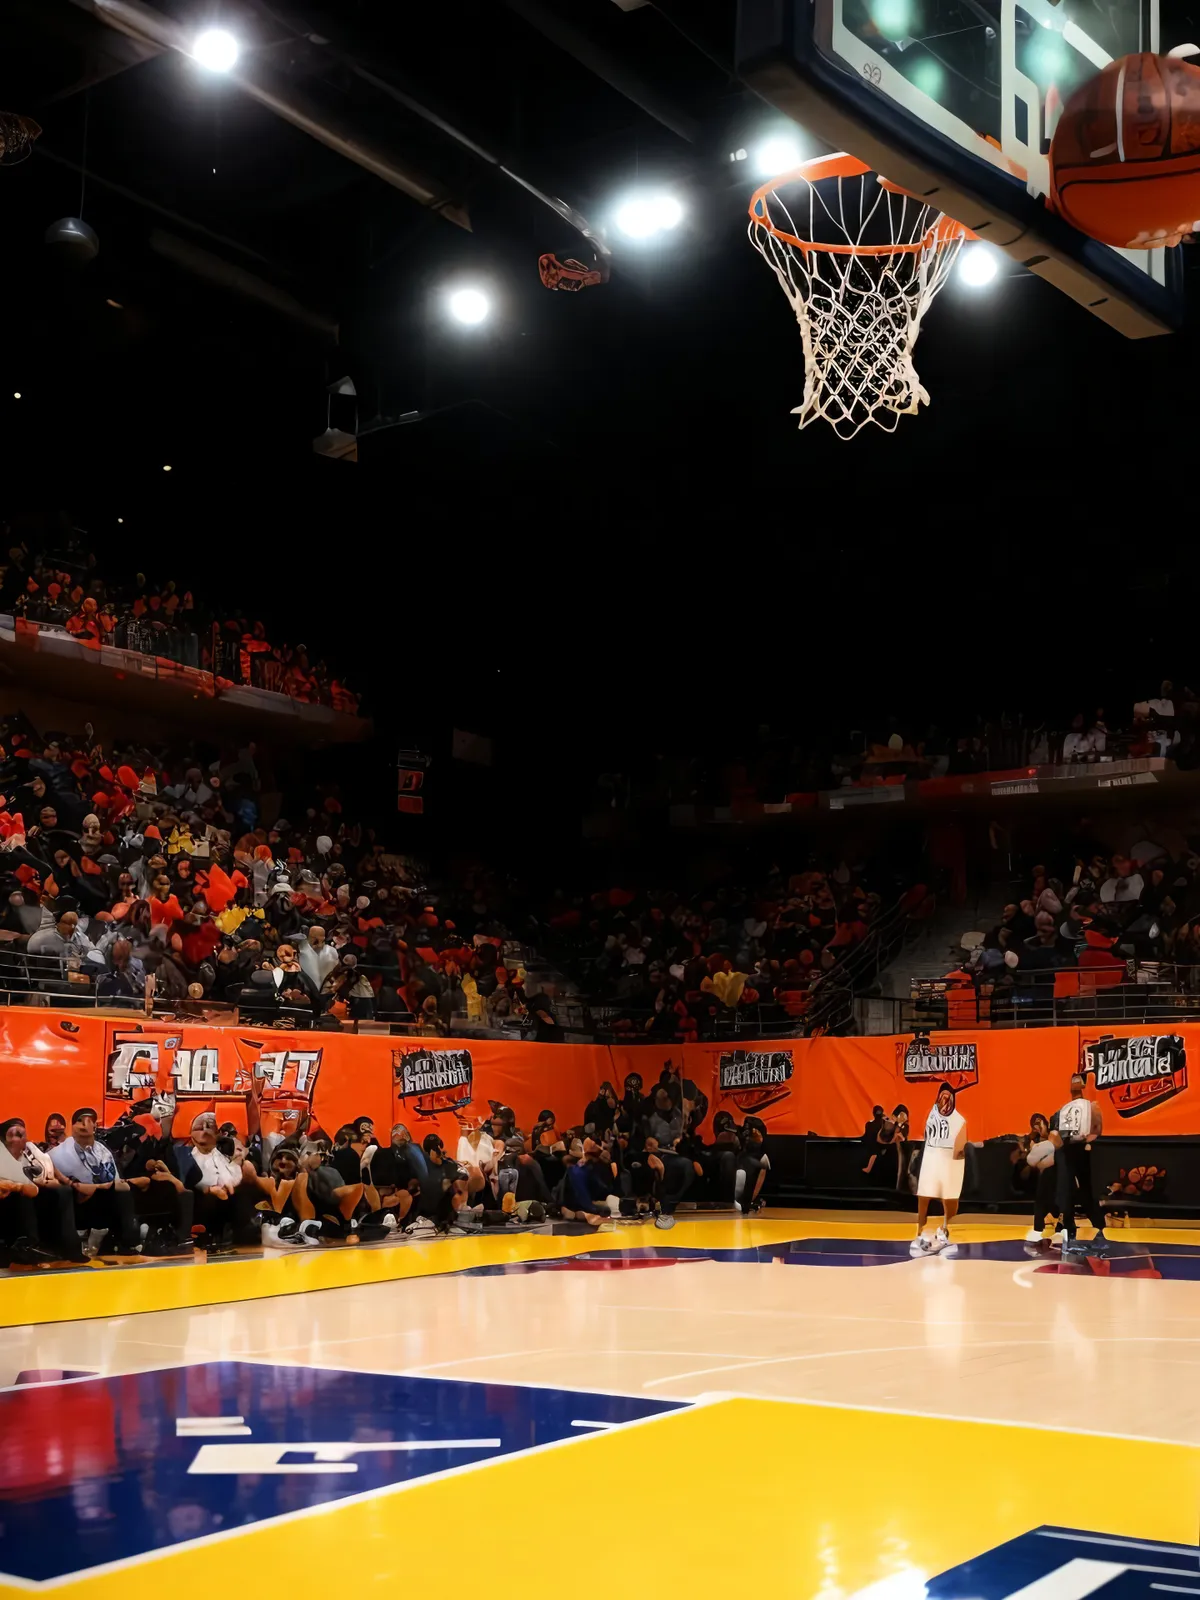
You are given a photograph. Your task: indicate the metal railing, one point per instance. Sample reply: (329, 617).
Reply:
(1147, 992)
(829, 1008)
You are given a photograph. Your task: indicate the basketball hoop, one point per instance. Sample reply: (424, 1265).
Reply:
(860, 260)
(16, 137)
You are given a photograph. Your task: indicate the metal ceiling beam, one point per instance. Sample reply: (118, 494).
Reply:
(574, 42)
(149, 27)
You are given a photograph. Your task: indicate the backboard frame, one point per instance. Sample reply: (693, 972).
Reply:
(784, 49)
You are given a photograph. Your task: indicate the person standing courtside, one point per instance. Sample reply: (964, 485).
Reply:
(1073, 1130)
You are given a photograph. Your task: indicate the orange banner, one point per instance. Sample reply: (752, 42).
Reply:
(54, 1061)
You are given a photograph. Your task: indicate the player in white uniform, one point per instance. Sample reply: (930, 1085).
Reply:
(941, 1175)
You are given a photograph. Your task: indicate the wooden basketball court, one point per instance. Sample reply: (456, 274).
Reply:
(788, 1404)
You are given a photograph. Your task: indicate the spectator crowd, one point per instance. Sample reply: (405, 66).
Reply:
(137, 1188)
(63, 587)
(137, 875)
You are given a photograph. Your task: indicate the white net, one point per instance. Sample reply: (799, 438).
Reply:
(860, 263)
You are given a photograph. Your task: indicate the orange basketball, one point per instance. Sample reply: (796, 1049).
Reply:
(1125, 156)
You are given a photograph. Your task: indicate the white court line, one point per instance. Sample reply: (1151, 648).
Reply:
(1174, 1588)
(205, 1541)
(1116, 1542)
(713, 1396)
(900, 1349)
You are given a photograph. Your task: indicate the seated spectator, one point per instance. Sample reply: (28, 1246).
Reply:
(207, 1166)
(103, 1204)
(39, 1222)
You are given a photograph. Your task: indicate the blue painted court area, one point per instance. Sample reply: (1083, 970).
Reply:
(1065, 1561)
(1177, 1261)
(108, 1469)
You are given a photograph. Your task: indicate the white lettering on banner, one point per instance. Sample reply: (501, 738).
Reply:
(1133, 1060)
(424, 1072)
(754, 1069)
(235, 1459)
(133, 1065)
(273, 1066)
(197, 1071)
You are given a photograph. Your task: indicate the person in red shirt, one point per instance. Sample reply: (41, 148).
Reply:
(164, 906)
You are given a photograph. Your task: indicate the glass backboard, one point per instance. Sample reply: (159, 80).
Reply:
(958, 99)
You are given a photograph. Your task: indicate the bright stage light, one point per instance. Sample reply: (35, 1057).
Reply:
(978, 265)
(216, 49)
(641, 216)
(778, 154)
(469, 306)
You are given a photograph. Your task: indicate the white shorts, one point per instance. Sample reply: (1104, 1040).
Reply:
(940, 1177)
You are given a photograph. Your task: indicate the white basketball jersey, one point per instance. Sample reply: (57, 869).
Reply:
(1075, 1121)
(941, 1133)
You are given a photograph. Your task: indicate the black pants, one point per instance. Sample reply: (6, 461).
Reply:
(739, 1174)
(162, 1205)
(215, 1216)
(1073, 1171)
(112, 1210)
(54, 1216)
(677, 1179)
(18, 1219)
(1045, 1202)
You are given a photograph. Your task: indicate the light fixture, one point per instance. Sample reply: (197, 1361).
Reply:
(780, 153)
(120, 519)
(469, 306)
(167, 467)
(16, 394)
(216, 49)
(641, 216)
(978, 264)
(115, 304)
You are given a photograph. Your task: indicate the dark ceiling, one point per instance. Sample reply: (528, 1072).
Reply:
(626, 452)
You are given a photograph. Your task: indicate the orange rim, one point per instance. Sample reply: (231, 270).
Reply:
(944, 230)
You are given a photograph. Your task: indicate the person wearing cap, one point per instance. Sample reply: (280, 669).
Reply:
(103, 1203)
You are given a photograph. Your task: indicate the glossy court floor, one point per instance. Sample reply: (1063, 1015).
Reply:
(786, 1406)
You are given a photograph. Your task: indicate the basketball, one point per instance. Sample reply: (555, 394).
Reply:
(1125, 155)
(1041, 1155)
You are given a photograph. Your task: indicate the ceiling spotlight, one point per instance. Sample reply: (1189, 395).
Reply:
(978, 264)
(167, 468)
(778, 154)
(216, 49)
(641, 216)
(469, 306)
(120, 519)
(16, 394)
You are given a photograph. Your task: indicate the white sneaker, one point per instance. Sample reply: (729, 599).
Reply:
(1058, 1238)
(422, 1228)
(943, 1244)
(922, 1245)
(389, 1221)
(1033, 1237)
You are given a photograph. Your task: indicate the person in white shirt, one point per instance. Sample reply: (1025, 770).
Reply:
(222, 1205)
(941, 1174)
(317, 956)
(1073, 1130)
(1126, 884)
